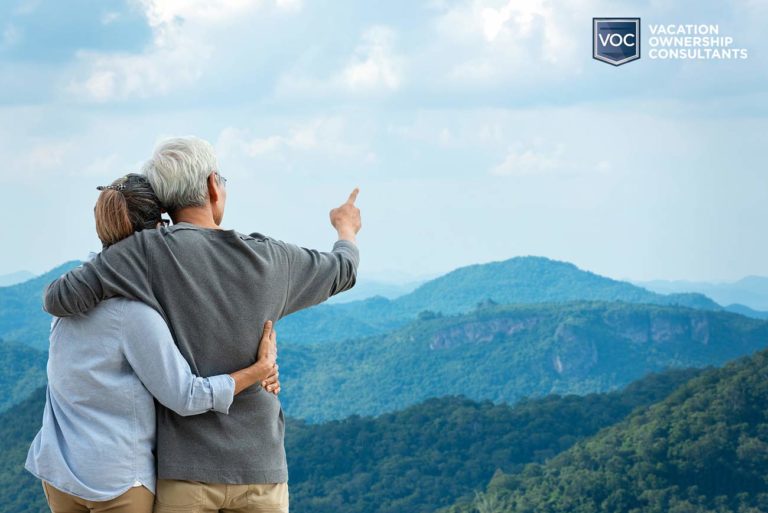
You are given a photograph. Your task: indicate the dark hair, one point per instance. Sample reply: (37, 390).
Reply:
(126, 206)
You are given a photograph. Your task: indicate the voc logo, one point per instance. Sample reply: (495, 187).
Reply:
(616, 40)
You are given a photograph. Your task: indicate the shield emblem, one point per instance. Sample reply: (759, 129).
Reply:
(616, 40)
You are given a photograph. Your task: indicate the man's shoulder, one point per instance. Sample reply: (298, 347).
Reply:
(259, 237)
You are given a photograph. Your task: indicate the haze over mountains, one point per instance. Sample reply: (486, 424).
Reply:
(15, 277)
(751, 291)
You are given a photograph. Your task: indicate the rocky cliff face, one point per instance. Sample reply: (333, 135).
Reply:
(478, 332)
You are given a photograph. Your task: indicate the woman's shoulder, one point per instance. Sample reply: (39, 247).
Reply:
(130, 308)
(140, 322)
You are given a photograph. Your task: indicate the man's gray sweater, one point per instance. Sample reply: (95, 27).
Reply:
(215, 288)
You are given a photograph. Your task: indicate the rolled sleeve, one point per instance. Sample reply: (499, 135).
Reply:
(222, 392)
(350, 249)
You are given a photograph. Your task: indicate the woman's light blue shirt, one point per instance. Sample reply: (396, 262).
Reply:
(104, 367)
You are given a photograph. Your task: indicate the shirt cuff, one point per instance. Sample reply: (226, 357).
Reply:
(349, 247)
(222, 391)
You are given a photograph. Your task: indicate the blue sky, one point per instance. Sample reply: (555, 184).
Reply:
(477, 130)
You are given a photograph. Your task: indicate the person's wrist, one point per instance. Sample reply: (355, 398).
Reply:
(259, 370)
(346, 233)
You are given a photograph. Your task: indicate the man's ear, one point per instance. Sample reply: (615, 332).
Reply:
(213, 188)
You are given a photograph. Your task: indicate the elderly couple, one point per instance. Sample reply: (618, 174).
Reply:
(189, 324)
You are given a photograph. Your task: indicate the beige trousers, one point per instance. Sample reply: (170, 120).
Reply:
(135, 500)
(194, 497)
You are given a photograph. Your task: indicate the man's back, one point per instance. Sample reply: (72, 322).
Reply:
(215, 288)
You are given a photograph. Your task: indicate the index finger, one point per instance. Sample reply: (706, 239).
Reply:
(353, 195)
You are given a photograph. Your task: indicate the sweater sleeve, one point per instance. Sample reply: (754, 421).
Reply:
(314, 276)
(120, 270)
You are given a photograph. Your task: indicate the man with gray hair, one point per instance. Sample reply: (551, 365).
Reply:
(215, 288)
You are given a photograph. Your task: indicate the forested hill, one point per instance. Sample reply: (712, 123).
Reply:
(504, 353)
(704, 449)
(411, 460)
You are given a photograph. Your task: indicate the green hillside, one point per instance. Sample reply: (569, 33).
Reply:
(410, 460)
(504, 353)
(22, 372)
(704, 449)
(20, 492)
(427, 455)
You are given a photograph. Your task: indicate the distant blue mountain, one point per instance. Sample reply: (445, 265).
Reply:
(365, 289)
(751, 291)
(14, 278)
(519, 280)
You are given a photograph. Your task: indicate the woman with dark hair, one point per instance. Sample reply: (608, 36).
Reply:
(94, 452)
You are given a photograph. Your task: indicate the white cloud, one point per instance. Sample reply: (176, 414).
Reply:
(325, 136)
(521, 13)
(178, 55)
(161, 12)
(174, 60)
(45, 156)
(540, 158)
(110, 17)
(529, 160)
(373, 67)
(374, 64)
(492, 42)
(109, 165)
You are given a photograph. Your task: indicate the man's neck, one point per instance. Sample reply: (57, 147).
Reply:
(199, 216)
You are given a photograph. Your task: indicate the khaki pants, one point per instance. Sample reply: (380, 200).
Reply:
(194, 497)
(135, 500)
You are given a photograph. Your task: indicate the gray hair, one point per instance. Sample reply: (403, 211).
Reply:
(178, 171)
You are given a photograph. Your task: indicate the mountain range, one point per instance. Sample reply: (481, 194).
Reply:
(415, 403)
(550, 340)
(526, 280)
(516, 280)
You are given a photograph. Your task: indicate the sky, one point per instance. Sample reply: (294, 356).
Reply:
(477, 130)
